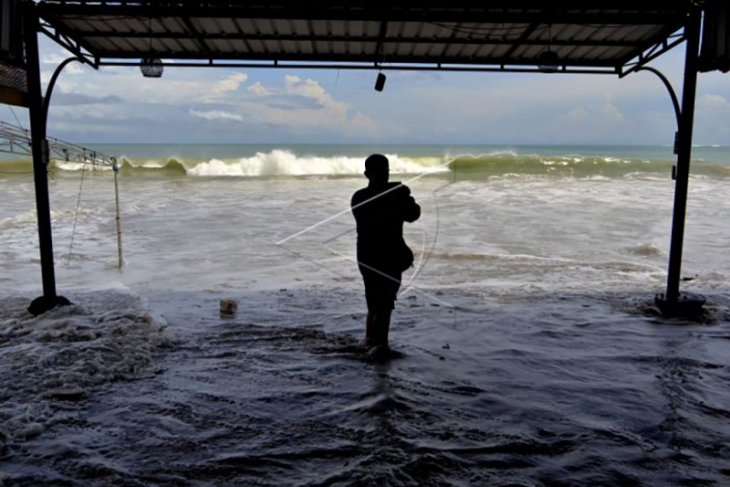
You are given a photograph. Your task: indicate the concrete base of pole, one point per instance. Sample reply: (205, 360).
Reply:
(686, 306)
(40, 305)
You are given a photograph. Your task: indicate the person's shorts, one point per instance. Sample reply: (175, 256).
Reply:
(381, 289)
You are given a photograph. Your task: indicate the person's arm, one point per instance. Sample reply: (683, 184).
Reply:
(411, 209)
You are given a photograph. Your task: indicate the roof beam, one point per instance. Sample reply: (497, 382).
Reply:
(359, 58)
(509, 12)
(505, 32)
(649, 54)
(522, 40)
(194, 33)
(374, 39)
(477, 68)
(74, 45)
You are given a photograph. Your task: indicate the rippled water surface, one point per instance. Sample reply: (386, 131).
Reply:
(482, 394)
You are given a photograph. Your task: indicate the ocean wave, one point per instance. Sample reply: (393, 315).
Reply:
(171, 166)
(277, 163)
(286, 163)
(508, 163)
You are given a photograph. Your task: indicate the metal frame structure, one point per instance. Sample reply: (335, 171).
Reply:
(435, 37)
(39, 148)
(672, 303)
(85, 28)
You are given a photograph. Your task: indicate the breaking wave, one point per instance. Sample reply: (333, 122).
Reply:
(286, 163)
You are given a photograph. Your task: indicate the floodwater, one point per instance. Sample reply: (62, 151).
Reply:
(527, 350)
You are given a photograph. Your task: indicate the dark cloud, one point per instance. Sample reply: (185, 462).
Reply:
(79, 99)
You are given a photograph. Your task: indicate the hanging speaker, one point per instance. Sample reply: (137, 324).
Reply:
(380, 82)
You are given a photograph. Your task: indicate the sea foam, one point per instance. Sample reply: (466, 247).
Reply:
(57, 359)
(285, 163)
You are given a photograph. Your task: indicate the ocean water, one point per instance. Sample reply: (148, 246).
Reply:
(528, 348)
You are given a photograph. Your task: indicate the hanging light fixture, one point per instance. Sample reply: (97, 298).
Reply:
(548, 61)
(151, 67)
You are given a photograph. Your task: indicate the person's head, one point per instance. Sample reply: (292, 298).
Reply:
(377, 169)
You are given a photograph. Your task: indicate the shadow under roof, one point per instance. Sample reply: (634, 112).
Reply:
(596, 36)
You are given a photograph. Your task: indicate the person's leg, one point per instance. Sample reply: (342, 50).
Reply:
(388, 292)
(371, 300)
(380, 294)
(382, 326)
(370, 330)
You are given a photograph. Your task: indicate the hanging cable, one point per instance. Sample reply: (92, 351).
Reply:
(426, 256)
(15, 116)
(76, 215)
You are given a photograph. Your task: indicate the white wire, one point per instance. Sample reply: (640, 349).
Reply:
(76, 215)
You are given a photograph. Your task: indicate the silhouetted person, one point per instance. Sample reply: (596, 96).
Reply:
(382, 255)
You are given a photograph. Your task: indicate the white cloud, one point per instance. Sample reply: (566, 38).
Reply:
(258, 89)
(216, 115)
(575, 115)
(77, 68)
(231, 83)
(611, 113)
(714, 101)
(177, 86)
(307, 88)
(134, 88)
(276, 105)
(53, 57)
(312, 90)
(331, 109)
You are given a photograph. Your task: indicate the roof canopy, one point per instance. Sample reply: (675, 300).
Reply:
(595, 36)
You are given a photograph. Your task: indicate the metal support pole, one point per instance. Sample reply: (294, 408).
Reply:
(670, 90)
(671, 304)
(52, 84)
(39, 147)
(115, 168)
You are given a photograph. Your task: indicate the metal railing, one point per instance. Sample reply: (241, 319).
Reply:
(17, 140)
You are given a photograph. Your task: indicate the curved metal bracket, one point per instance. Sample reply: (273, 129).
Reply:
(52, 84)
(668, 85)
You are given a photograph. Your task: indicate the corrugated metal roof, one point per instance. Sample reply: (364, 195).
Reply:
(582, 34)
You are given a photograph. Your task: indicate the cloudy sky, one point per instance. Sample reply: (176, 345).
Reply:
(329, 106)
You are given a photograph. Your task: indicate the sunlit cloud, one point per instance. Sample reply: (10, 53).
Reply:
(226, 86)
(258, 89)
(216, 115)
(302, 104)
